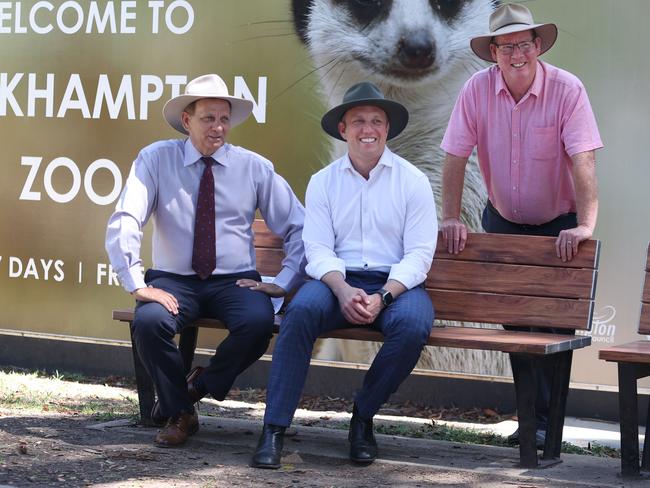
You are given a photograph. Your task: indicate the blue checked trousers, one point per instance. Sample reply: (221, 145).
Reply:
(314, 310)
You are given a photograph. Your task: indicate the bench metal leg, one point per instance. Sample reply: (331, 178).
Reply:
(146, 392)
(645, 461)
(526, 392)
(187, 345)
(628, 411)
(557, 409)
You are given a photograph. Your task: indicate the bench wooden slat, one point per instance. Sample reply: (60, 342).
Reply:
(485, 307)
(512, 309)
(484, 339)
(497, 248)
(644, 320)
(520, 249)
(264, 237)
(459, 337)
(634, 352)
(512, 279)
(269, 261)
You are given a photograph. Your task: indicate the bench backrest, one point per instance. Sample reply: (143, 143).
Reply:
(644, 320)
(500, 279)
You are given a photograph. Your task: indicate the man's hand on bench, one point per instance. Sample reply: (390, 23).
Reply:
(566, 245)
(454, 233)
(270, 289)
(151, 294)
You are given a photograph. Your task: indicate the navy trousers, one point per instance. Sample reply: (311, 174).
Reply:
(405, 324)
(493, 222)
(248, 315)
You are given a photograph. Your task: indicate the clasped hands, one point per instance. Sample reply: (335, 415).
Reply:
(357, 306)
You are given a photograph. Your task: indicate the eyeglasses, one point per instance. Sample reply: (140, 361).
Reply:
(508, 49)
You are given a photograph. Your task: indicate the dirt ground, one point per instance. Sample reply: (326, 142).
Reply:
(47, 439)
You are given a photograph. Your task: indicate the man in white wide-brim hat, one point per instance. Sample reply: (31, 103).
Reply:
(535, 135)
(202, 194)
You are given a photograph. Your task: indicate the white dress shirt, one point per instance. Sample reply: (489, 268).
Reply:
(163, 184)
(386, 223)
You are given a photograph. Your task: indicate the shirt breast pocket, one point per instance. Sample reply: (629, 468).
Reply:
(544, 143)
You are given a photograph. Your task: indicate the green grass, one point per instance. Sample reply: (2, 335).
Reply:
(443, 433)
(25, 390)
(592, 449)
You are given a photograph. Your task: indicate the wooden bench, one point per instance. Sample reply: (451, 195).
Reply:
(498, 279)
(633, 363)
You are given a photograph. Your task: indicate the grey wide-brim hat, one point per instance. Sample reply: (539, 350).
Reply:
(206, 86)
(508, 19)
(365, 93)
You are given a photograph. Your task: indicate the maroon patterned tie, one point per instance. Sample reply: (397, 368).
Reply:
(204, 258)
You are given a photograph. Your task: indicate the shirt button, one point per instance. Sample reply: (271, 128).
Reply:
(514, 187)
(514, 162)
(515, 211)
(514, 135)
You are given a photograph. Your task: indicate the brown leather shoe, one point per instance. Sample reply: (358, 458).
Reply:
(159, 419)
(178, 429)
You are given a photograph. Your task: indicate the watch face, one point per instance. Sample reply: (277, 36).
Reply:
(386, 297)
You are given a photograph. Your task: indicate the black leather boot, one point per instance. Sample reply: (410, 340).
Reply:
(269, 448)
(363, 446)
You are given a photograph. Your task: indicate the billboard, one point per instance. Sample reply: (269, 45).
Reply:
(83, 83)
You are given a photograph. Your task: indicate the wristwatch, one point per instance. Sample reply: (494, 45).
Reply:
(386, 297)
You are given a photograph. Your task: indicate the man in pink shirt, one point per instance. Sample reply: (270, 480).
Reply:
(535, 135)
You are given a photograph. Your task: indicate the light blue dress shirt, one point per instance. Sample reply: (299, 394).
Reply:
(385, 223)
(163, 184)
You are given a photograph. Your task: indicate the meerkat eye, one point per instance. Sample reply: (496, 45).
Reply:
(367, 3)
(447, 9)
(366, 11)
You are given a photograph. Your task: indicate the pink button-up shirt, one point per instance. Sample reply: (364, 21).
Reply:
(525, 148)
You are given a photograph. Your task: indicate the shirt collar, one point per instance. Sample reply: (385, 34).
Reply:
(192, 155)
(386, 159)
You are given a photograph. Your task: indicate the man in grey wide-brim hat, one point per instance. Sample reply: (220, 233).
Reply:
(202, 194)
(370, 234)
(535, 134)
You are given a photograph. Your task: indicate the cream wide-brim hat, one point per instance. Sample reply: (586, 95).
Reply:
(508, 19)
(206, 86)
